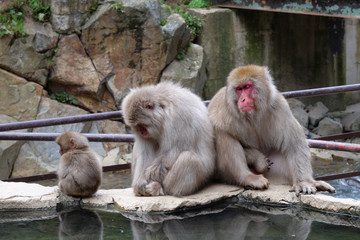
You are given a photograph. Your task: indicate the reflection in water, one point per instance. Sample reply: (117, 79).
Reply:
(80, 224)
(231, 223)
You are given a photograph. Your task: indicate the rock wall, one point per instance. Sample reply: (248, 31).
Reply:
(94, 51)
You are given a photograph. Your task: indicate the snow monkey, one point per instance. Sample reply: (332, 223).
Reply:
(80, 169)
(174, 151)
(253, 121)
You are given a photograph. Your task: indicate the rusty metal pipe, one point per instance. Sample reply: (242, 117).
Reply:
(329, 145)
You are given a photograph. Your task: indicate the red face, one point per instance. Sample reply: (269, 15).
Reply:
(246, 93)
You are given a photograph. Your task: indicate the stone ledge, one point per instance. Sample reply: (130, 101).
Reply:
(34, 196)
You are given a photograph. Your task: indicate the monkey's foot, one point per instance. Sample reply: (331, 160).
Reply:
(256, 182)
(154, 189)
(324, 186)
(311, 187)
(140, 188)
(156, 172)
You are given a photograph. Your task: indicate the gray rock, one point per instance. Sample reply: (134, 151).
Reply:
(189, 72)
(25, 56)
(298, 110)
(351, 122)
(15, 195)
(131, 48)
(68, 16)
(19, 98)
(317, 112)
(178, 35)
(350, 117)
(328, 126)
(9, 150)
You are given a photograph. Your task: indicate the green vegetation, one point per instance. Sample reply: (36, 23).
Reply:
(39, 10)
(181, 55)
(12, 17)
(192, 22)
(199, 4)
(117, 5)
(64, 97)
(12, 20)
(163, 22)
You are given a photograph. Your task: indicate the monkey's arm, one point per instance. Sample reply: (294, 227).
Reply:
(297, 153)
(231, 163)
(257, 161)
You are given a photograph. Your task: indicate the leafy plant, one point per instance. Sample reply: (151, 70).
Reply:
(163, 22)
(12, 21)
(64, 97)
(192, 22)
(40, 10)
(199, 4)
(117, 5)
(181, 55)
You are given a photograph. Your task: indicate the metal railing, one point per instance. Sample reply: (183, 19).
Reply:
(313, 143)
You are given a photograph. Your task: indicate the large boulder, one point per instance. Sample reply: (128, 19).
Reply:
(75, 73)
(130, 47)
(189, 72)
(19, 98)
(29, 56)
(9, 150)
(68, 16)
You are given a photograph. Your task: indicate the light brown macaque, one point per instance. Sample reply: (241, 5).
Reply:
(253, 122)
(80, 169)
(174, 151)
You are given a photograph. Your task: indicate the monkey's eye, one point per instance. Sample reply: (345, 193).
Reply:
(238, 88)
(149, 106)
(246, 86)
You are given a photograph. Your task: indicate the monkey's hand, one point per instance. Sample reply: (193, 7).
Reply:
(156, 172)
(154, 189)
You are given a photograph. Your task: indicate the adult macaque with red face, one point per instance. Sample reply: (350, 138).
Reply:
(253, 122)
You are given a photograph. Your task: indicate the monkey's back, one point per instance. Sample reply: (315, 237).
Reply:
(81, 175)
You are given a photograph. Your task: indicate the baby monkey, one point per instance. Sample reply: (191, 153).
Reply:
(80, 169)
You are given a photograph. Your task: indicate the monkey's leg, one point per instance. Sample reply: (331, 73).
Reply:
(257, 161)
(232, 166)
(186, 176)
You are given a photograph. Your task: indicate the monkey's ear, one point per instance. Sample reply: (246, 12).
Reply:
(72, 143)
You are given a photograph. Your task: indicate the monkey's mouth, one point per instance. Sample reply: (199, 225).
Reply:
(247, 108)
(141, 128)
